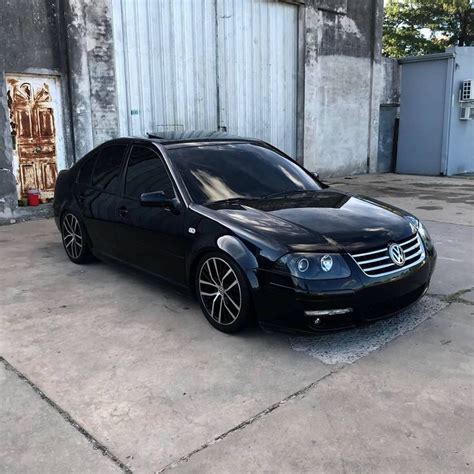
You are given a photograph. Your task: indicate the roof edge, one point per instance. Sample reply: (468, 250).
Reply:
(426, 57)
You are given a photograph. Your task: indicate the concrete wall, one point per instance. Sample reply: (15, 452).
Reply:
(342, 86)
(29, 35)
(390, 92)
(389, 108)
(89, 41)
(71, 40)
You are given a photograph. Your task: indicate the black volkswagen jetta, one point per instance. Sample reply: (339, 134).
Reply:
(247, 228)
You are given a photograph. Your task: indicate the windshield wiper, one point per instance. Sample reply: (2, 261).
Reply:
(231, 200)
(288, 193)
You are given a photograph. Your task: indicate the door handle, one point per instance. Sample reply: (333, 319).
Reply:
(82, 198)
(123, 211)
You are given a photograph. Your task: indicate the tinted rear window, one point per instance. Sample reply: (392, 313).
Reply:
(85, 171)
(107, 168)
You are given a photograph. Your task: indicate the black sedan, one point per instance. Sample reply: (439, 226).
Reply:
(249, 230)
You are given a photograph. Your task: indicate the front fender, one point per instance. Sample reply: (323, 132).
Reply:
(233, 247)
(236, 249)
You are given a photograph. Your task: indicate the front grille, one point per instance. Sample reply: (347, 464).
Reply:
(378, 262)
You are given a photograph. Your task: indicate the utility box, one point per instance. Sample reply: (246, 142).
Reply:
(436, 135)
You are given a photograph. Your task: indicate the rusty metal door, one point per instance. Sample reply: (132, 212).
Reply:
(33, 122)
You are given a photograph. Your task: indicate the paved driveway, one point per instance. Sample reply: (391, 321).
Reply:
(106, 370)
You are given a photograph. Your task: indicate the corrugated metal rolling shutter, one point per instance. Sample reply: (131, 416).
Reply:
(206, 65)
(257, 68)
(166, 65)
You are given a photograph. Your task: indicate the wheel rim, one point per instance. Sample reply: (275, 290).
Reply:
(220, 292)
(72, 236)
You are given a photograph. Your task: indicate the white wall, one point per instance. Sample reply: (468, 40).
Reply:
(461, 136)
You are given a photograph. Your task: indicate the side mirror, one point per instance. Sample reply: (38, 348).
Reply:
(320, 181)
(159, 199)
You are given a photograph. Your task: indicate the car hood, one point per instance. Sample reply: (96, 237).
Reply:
(326, 220)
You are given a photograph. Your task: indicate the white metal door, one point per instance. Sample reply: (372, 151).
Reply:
(257, 70)
(208, 65)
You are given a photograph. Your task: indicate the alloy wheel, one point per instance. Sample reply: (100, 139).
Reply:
(72, 236)
(220, 291)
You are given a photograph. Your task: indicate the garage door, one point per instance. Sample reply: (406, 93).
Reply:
(208, 65)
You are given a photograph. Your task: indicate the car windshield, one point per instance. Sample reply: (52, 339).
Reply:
(238, 170)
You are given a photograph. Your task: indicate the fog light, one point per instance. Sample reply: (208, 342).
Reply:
(328, 312)
(317, 321)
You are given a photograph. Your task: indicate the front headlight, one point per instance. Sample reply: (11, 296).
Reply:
(414, 222)
(422, 230)
(314, 266)
(425, 236)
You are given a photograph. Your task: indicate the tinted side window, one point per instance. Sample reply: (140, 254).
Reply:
(146, 173)
(107, 169)
(85, 171)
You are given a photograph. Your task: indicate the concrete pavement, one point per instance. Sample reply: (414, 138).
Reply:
(124, 373)
(38, 436)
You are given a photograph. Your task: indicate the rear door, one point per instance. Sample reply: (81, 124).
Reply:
(99, 200)
(149, 237)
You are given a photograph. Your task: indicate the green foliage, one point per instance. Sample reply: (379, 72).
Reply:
(414, 27)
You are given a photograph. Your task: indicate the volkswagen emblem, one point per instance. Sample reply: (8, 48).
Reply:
(396, 254)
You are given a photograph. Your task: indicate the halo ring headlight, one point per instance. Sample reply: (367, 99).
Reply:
(313, 266)
(303, 264)
(326, 263)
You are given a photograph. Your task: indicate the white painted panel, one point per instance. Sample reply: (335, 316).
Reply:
(257, 67)
(166, 65)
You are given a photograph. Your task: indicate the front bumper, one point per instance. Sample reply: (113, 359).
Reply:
(281, 302)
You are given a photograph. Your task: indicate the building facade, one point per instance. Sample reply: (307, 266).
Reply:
(304, 75)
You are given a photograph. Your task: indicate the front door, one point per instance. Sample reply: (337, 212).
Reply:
(34, 106)
(148, 237)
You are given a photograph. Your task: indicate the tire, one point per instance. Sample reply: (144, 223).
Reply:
(223, 292)
(74, 238)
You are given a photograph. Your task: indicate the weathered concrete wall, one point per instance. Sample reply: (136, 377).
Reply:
(72, 40)
(89, 40)
(100, 57)
(390, 82)
(29, 35)
(342, 85)
(389, 109)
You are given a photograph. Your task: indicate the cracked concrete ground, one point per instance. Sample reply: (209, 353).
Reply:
(104, 370)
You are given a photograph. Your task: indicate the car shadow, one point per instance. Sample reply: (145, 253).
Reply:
(182, 295)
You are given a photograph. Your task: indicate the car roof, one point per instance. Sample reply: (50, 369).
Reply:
(174, 139)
